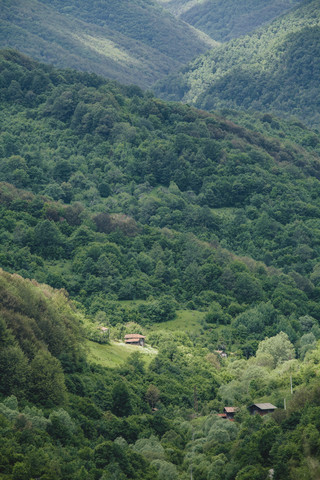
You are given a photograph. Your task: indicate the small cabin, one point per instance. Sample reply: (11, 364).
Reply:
(229, 412)
(134, 339)
(261, 408)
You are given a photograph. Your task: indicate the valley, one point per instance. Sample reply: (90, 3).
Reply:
(159, 260)
(135, 43)
(274, 69)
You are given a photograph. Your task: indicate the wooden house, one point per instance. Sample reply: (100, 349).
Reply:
(134, 339)
(230, 412)
(261, 408)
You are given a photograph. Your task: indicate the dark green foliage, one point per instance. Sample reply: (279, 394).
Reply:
(46, 380)
(61, 426)
(186, 187)
(14, 370)
(121, 404)
(274, 69)
(207, 182)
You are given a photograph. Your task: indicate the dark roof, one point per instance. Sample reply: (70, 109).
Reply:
(133, 335)
(264, 406)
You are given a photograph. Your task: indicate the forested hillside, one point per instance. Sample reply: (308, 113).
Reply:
(91, 171)
(274, 69)
(200, 232)
(134, 42)
(226, 19)
(64, 418)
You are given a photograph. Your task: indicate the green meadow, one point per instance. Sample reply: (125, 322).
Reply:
(114, 354)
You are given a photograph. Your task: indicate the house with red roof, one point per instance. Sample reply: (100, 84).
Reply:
(134, 339)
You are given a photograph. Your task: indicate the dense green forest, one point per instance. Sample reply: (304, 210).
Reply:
(200, 231)
(226, 19)
(274, 69)
(110, 164)
(64, 417)
(132, 41)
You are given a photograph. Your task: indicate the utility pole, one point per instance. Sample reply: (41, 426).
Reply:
(291, 389)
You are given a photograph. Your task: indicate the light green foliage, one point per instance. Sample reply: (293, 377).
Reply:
(114, 354)
(186, 320)
(36, 417)
(234, 392)
(307, 344)
(218, 430)
(165, 470)
(252, 473)
(150, 448)
(164, 337)
(279, 347)
(30, 416)
(215, 471)
(61, 425)
(20, 471)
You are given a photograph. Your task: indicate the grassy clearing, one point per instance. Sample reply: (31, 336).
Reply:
(115, 354)
(186, 321)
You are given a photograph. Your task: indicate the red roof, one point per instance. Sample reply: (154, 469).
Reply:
(133, 335)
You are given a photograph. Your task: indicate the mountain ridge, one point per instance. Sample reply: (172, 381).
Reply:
(223, 20)
(247, 72)
(66, 39)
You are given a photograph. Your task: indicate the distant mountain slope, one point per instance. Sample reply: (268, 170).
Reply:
(276, 68)
(226, 19)
(132, 42)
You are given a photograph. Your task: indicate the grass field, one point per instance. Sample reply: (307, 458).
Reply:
(186, 321)
(115, 354)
